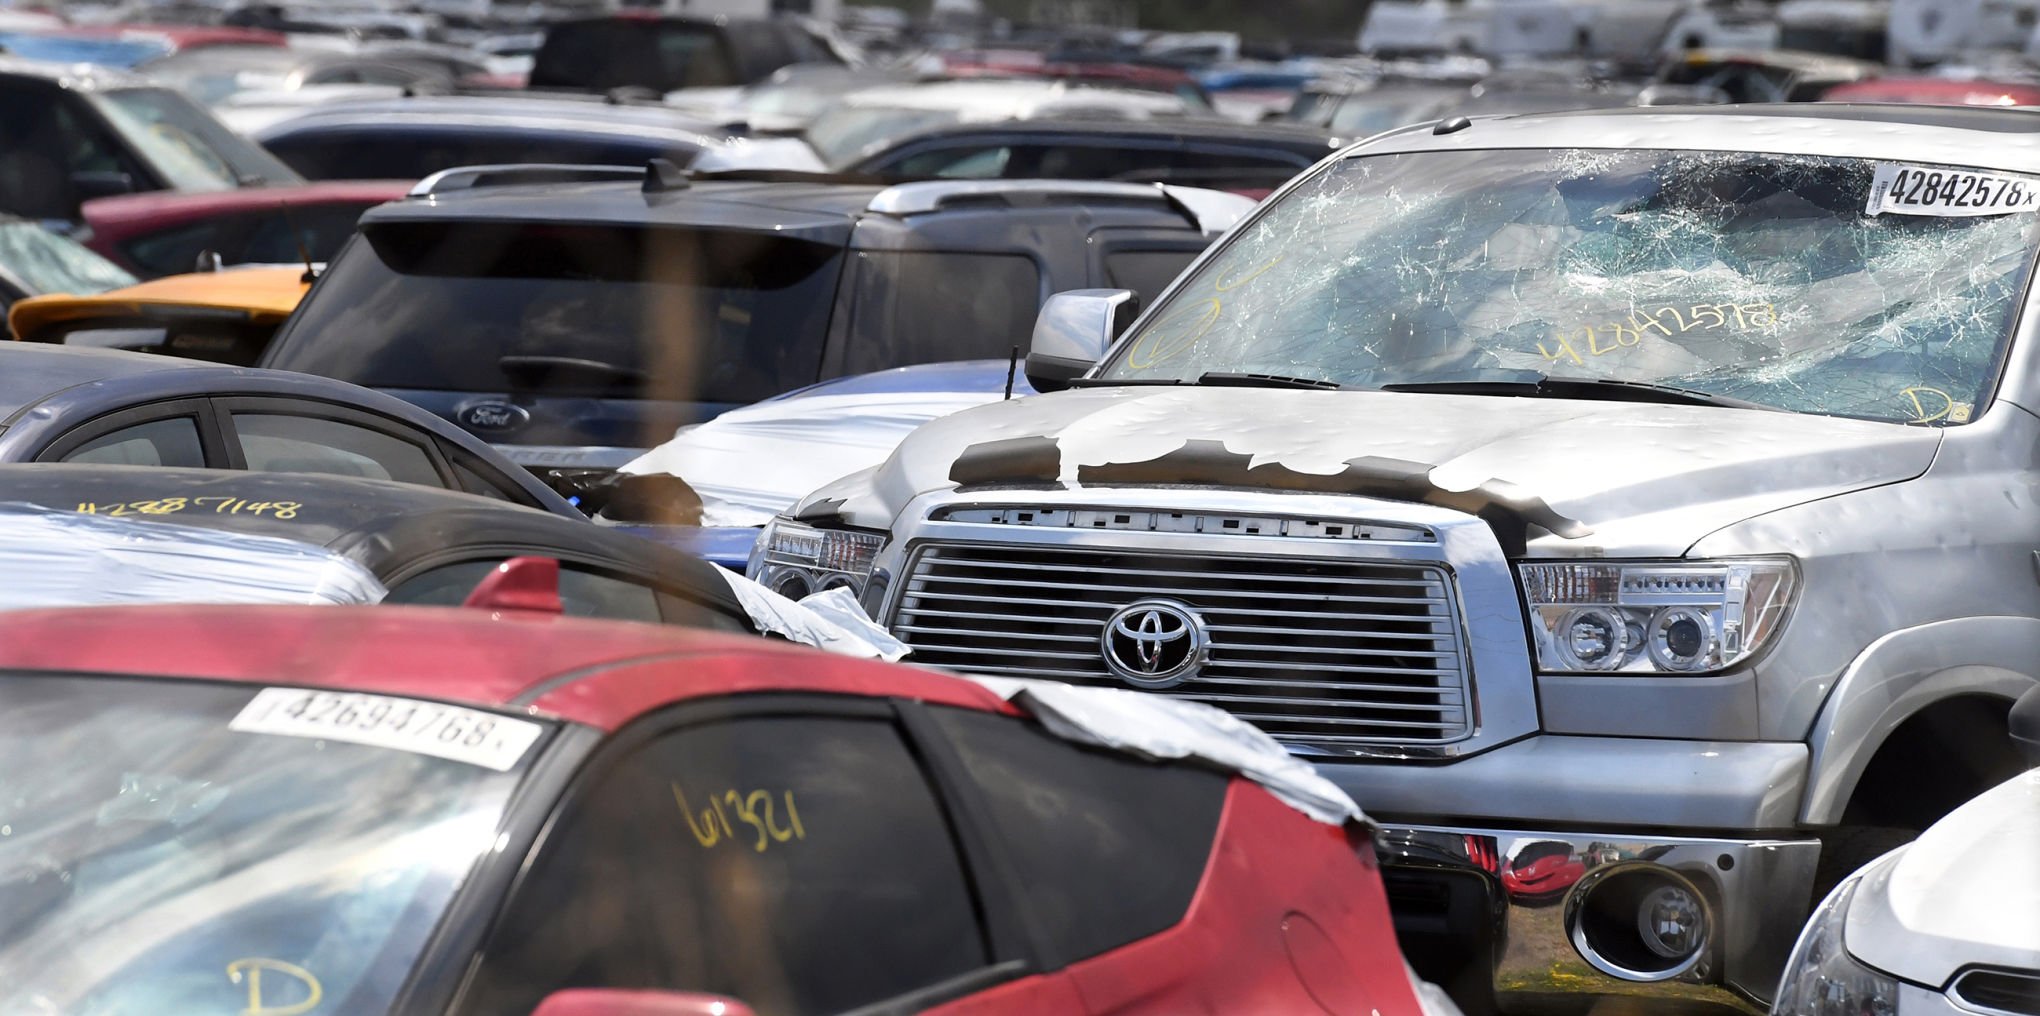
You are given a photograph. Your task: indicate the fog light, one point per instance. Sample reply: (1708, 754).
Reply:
(1670, 922)
(1638, 922)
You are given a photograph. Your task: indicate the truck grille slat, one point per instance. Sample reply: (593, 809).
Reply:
(1005, 582)
(1340, 650)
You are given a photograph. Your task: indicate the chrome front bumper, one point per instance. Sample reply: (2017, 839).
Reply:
(1755, 893)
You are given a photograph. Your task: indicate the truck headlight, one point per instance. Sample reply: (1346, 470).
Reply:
(1822, 979)
(1655, 617)
(794, 559)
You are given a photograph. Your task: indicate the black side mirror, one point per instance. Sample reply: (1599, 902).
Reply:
(2025, 724)
(101, 185)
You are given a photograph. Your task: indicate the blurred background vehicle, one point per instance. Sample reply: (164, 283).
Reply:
(752, 463)
(1244, 158)
(251, 87)
(412, 138)
(220, 316)
(871, 120)
(166, 232)
(577, 322)
(112, 407)
(34, 260)
(660, 53)
(69, 135)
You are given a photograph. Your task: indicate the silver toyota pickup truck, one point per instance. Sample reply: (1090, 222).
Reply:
(1634, 510)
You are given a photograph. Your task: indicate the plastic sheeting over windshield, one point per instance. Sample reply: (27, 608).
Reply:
(65, 559)
(1774, 279)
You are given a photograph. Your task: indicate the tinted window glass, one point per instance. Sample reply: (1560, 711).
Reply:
(275, 443)
(801, 864)
(275, 239)
(174, 250)
(902, 320)
(973, 162)
(650, 313)
(171, 442)
(476, 478)
(183, 141)
(1146, 272)
(582, 593)
(1109, 849)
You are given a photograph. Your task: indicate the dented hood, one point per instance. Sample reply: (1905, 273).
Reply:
(1623, 478)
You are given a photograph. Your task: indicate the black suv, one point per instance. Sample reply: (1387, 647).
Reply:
(664, 53)
(575, 315)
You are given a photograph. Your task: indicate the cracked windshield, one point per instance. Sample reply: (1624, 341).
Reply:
(1019, 508)
(1772, 279)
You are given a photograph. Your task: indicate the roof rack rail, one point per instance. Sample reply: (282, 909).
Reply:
(462, 178)
(1211, 212)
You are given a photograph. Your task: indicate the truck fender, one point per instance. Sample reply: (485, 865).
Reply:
(1900, 674)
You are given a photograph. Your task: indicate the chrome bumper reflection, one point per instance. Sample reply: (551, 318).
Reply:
(1753, 896)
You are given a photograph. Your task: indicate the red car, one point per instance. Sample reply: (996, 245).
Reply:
(1936, 91)
(504, 811)
(165, 232)
(1541, 872)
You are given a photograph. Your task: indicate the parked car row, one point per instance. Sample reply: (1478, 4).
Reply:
(1628, 506)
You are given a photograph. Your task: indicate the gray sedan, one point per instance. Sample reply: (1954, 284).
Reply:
(69, 404)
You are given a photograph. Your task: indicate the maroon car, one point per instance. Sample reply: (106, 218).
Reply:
(165, 232)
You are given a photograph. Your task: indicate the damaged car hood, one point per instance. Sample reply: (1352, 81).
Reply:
(1591, 477)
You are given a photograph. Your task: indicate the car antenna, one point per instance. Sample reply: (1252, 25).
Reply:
(1012, 363)
(304, 252)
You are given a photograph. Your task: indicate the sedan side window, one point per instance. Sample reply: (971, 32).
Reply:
(281, 443)
(167, 442)
(957, 163)
(800, 863)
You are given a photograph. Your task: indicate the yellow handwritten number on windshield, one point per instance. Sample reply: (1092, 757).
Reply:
(249, 971)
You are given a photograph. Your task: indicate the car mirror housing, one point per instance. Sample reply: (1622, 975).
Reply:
(1072, 333)
(2025, 725)
(618, 1002)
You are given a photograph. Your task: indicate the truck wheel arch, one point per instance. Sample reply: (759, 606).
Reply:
(1907, 686)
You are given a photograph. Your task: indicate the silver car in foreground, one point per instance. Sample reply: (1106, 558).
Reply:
(1633, 509)
(1946, 925)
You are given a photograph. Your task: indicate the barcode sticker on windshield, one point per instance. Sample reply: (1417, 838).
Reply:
(427, 728)
(1910, 190)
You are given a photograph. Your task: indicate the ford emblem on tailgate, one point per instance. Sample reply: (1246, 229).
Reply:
(492, 416)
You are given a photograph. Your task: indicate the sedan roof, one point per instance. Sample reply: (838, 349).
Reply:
(1293, 137)
(503, 112)
(392, 529)
(600, 673)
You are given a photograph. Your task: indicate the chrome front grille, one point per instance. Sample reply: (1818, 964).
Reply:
(1327, 650)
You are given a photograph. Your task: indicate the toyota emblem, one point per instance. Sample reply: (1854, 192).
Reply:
(1153, 643)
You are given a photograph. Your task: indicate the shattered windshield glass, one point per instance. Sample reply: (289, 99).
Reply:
(1780, 280)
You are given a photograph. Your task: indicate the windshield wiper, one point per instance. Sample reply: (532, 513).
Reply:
(1229, 379)
(534, 371)
(1580, 388)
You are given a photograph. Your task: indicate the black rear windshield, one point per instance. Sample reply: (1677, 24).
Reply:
(681, 314)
